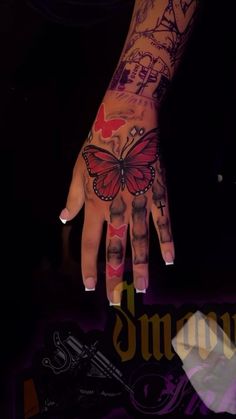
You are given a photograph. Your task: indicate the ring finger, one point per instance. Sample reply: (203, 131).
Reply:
(139, 233)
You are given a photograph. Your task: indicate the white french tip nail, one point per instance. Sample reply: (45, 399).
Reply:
(113, 304)
(63, 220)
(169, 263)
(138, 291)
(89, 289)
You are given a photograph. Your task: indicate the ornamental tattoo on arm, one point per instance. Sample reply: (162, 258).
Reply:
(154, 47)
(132, 169)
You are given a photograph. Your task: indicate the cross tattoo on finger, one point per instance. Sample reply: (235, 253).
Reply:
(161, 206)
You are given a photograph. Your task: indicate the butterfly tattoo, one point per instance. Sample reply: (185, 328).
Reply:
(107, 126)
(134, 170)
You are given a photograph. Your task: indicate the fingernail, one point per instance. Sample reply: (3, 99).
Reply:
(116, 297)
(138, 291)
(113, 304)
(141, 285)
(64, 215)
(169, 258)
(90, 284)
(63, 220)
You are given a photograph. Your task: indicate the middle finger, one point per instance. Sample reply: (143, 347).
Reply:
(115, 248)
(139, 233)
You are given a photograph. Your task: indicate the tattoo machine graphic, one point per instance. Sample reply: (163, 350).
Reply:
(70, 352)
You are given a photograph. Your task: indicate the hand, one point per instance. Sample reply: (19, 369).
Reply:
(119, 178)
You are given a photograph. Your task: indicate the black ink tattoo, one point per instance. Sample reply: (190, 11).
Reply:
(117, 210)
(115, 251)
(140, 230)
(142, 12)
(154, 47)
(161, 88)
(164, 229)
(141, 69)
(161, 206)
(158, 192)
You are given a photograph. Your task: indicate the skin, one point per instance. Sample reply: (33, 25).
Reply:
(123, 211)
(128, 114)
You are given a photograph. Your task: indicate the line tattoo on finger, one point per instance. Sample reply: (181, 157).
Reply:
(164, 230)
(140, 230)
(115, 251)
(117, 210)
(158, 193)
(159, 188)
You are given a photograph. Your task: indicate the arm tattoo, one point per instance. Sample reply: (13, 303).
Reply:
(158, 34)
(140, 230)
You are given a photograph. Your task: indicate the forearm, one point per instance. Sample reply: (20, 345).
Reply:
(158, 32)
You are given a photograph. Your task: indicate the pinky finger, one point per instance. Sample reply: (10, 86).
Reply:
(161, 219)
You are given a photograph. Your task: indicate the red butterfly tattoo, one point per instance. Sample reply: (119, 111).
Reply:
(133, 171)
(107, 126)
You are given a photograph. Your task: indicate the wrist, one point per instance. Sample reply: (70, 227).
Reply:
(116, 100)
(126, 114)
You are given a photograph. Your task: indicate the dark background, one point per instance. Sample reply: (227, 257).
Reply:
(53, 75)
